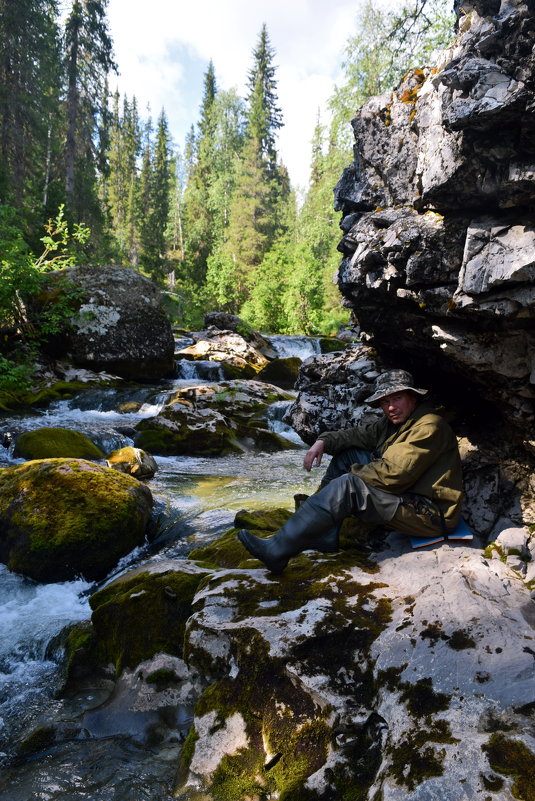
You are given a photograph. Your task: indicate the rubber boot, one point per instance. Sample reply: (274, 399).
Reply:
(316, 523)
(310, 527)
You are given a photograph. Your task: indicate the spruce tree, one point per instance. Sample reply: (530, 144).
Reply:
(258, 211)
(30, 117)
(88, 60)
(198, 224)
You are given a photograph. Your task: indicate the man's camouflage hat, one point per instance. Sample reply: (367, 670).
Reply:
(390, 382)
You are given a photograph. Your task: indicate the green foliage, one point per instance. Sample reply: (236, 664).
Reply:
(22, 277)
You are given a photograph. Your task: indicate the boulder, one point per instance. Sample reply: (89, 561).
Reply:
(143, 613)
(65, 518)
(438, 245)
(225, 346)
(48, 443)
(281, 372)
(332, 390)
(120, 325)
(212, 419)
(133, 461)
(231, 322)
(338, 678)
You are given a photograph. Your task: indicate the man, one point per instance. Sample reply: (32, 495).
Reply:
(402, 471)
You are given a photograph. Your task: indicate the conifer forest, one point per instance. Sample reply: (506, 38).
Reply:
(86, 175)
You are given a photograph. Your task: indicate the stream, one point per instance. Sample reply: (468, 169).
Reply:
(106, 757)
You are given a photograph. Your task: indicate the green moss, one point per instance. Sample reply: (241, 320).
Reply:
(233, 371)
(331, 344)
(513, 758)
(39, 740)
(281, 372)
(491, 782)
(39, 397)
(46, 443)
(163, 679)
(67, 517)
(194, 442)
(80, 653)
(494, 547)
(390, 678)
(261, 519)
(136, 618)
(422, 700)
(288, 736)
(433, 633)
(186, 755)
(414, 760)
(412, 764)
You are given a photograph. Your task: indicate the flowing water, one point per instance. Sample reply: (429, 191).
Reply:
(104, 755)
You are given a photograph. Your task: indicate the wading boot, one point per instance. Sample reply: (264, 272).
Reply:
(316, 522)
(310, 527)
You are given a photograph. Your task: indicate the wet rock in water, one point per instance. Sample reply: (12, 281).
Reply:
(213, 419)
(281, 372)
(120, 326)
(225, 346)
(65, 518)
(182, 429)
(133, 461)
(143, 613)
(49, 443)
(231, 322)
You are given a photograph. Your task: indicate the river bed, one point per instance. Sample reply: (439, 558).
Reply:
(196, 500)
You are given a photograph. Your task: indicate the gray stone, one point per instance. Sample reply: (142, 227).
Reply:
(121, 326)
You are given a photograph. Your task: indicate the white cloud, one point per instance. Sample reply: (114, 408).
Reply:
(163, 47)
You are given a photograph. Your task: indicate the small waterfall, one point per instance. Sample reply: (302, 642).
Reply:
(300, 346)
(274, 417)
(199, 370)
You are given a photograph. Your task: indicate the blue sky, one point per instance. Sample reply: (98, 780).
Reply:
(163, 47)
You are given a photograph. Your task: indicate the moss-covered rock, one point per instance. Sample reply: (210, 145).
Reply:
(133, 461)
(331, 344)
(214, 419)
(142, 614)
(52, 443)
(62, 518)
(237, 371)
(40, 395)
(281, 372)
(182, 429)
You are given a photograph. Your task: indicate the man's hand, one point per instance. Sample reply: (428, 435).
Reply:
(314, 454)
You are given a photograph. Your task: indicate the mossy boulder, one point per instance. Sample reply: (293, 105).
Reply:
(133, 461)
(64, 518)
(331, 344)
(214, 419)
(281, 372)
(180, 428)
(236, 371)
(140, 614)
(52, 443)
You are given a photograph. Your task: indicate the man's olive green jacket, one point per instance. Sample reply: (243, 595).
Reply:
(421, 456)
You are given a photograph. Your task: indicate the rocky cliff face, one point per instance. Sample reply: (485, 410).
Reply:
(439, 233)
(439, 256)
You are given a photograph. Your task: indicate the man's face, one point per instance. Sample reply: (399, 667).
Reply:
(399, 406)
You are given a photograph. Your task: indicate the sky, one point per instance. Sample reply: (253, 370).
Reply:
(163, 47)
